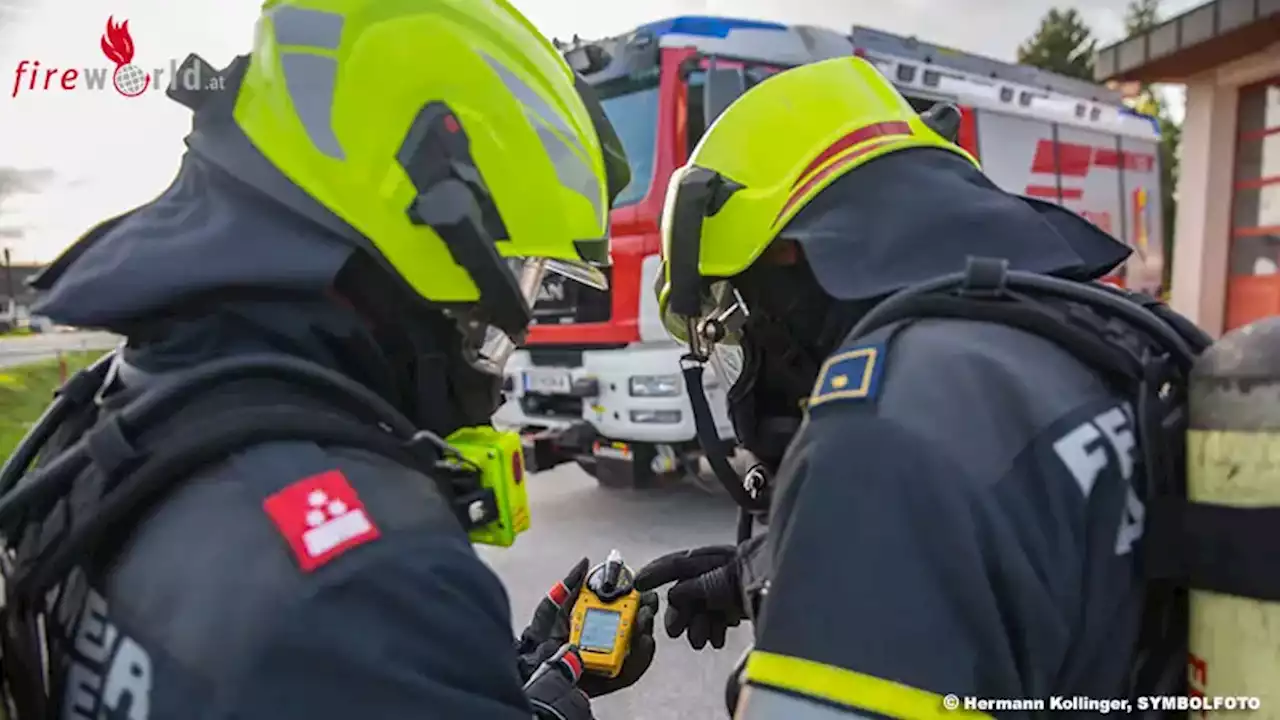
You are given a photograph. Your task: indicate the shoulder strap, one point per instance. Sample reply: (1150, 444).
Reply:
(134, 463)
(1095, 325)
(1185, 542)
(1146, 352)
(1085, 336)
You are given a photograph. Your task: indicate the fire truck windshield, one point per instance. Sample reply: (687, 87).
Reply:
(632, 107)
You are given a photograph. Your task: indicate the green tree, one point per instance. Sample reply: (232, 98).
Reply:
(1141, 16)
(1062, 44)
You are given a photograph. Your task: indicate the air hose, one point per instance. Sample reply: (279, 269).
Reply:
(715, 448)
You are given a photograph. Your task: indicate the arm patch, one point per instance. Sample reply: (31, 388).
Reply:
(849, 375)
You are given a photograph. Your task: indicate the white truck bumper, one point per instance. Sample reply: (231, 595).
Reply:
(607, 391)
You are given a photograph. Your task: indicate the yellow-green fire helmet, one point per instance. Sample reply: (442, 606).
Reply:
(449, 133)
(762, 161)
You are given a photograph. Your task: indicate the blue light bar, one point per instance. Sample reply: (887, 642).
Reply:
(704, 26)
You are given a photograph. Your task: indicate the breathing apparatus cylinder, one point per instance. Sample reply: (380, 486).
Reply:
(1233, 445)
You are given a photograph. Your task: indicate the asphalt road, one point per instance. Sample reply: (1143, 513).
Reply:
(573, 517)
(34, 348)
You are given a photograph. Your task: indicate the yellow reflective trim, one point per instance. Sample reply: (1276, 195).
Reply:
(848, 688)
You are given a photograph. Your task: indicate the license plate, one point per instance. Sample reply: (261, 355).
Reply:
(615, 450)
(546, 381)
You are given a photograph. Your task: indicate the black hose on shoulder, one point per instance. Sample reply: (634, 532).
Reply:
(714, 448)
(746, 525)
(77, 392)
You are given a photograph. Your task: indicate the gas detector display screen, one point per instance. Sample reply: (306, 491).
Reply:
(600, 630)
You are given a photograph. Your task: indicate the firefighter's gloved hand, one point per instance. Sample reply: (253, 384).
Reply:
(707, 598)
(549, 628)
(552, 687)
(548, 631)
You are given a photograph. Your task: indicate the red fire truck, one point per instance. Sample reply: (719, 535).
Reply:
(598, 382)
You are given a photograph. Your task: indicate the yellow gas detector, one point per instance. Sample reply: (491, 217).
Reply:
(603, 616)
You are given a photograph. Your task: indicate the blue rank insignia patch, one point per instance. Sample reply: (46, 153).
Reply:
(849, 375)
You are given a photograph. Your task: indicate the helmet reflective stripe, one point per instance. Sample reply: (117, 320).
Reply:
(571, 170)
(307, 28)
(567, 156)
(309, 77)
(850, 141)
(340, 134)
(854, 145)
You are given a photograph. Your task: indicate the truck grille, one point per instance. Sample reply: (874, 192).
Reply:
(565, 302)
(561, 407)
(544, 356)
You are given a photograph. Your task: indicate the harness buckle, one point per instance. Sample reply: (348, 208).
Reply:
(112, 375)
(985, 277)
(755, 481)
(691, 361)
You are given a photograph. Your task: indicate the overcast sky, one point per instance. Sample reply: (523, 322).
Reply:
(111, 153)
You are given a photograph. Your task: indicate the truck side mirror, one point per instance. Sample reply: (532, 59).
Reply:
(722, 87)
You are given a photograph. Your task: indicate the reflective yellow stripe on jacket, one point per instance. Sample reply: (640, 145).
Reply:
(758, 702)
(842, 694)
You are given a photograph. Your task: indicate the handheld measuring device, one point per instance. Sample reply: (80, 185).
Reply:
(603, 615)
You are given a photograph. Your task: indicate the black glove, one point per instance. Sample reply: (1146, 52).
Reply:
(552, 687)
(548, 631)
(707, 598)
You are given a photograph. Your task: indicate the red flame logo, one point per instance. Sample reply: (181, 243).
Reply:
(117, 44)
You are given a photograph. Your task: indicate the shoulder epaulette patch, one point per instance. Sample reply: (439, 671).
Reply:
(849, 375)
(321, 517)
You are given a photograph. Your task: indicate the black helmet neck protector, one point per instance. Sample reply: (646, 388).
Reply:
(785, 339)
(441, 389)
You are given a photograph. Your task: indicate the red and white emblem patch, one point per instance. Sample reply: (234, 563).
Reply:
(321, 517)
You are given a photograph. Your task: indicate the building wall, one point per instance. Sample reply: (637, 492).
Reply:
(1203, 287)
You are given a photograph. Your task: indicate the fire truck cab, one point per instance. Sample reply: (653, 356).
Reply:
(598, 381)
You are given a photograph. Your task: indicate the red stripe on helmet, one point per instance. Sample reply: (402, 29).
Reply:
(856, 137)
(826, 173)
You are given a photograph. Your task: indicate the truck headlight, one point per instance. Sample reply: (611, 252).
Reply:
(655, 385)
(655, 417)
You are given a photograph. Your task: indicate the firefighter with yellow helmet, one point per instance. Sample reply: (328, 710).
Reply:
(955, 489)
(261, 506)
